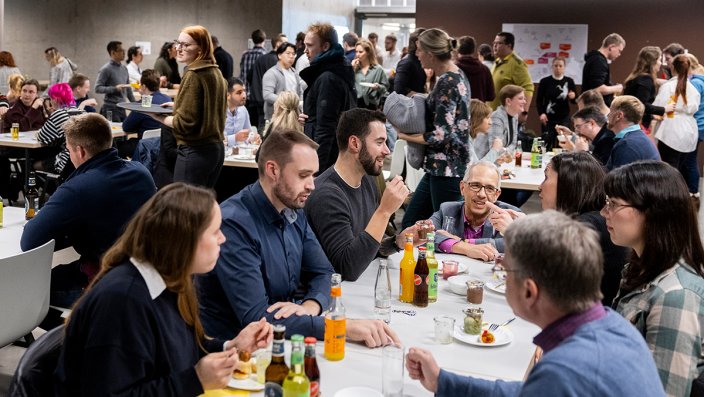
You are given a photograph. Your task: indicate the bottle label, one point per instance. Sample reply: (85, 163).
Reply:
(433, 285)
(334, 339)
(272, 389)
(314, 389)
(278, 349)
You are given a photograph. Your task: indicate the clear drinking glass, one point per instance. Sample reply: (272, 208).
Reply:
(443, 327)
(393, 371)
(383, 293)
(109, 115)
(448, 223)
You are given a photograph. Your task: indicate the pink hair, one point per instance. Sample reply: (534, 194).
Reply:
(62, 94)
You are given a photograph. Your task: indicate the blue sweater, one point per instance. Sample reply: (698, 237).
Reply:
(605, 357)
(698, 81)
(634, 146)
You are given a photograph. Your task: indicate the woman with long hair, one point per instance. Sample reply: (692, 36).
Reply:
(286, 113)
(14, 87)
(59, 106)
(641, 83)
(8, 67)
(61, 67)
(648, 210)
(447, 143)
(281, 77)
(167, 67)
(371, 82)
(481, 122)
(198, 120)
(677, 133)
(136, 329)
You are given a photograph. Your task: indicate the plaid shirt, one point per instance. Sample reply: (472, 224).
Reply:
(247, 62)
(668, 312)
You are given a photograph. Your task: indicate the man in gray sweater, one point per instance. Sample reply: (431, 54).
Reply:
(114, 81)
(345, 211)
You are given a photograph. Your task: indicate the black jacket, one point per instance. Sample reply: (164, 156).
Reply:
(602, 144)
(330, 92)
(410, 76)
(263, 63)
(481, 84)
(596, 72)
(224, 61)
(643, 88)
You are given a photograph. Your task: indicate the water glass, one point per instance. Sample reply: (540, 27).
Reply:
(146, 101)
(450, 268)
(444, 329)
(109, 115)
(393, 371)
(263, 358)
(448, 223)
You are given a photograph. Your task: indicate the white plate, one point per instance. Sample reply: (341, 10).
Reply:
(241, 157)
(367, 84)
(457, 283)
(502, 336)
(357, 391)
(499, 287)
(246, 384)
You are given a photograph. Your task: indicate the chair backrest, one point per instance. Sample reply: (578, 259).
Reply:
(152, 133)
(24, 291)
(413, 176)
(398, 159)
(34, 376)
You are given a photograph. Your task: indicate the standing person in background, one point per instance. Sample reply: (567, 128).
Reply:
(689, 166)
(669, 52)
(247, 63)
(261, 66)
(481, 84)
(61, 67)
(300, 46)
(641, 83)
(114, 81)
(410, 77)
(596, 71)
(7, 68)
(374, 39)
(485, 55)
(223, 59)
(134, 58)
(167, 67)
(447, 141)
(369, 72)
(509, 68)
(349, 41)
(391, 55)
(552, 101)
(281, 77)
(138, 122)
(198, 120)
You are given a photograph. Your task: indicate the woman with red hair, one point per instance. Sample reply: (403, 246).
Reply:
(7, 68)
(62, 105)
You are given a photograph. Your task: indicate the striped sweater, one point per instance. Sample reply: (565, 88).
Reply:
(52, 133)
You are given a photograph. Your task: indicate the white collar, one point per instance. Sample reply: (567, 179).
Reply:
(155, 282)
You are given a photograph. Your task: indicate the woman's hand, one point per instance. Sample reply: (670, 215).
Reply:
(215, 369)
(497, 145)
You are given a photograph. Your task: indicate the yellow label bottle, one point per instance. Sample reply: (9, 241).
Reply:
(334, 336)
(406, 271)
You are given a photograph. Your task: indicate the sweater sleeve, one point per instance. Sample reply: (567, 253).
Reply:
(541, 100)
(452, 385)
(188, 111)
(269, 86)
(54, 220)
(101, 82)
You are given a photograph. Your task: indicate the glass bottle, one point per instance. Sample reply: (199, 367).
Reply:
(296, 383)
(383, 293)
(31, 200)
(421, 280)
(277, 369)
(334, 335)
(406, 271)
(536, 156)
(432, 267)
(311, 366)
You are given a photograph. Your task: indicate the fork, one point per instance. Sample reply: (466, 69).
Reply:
(493, 327)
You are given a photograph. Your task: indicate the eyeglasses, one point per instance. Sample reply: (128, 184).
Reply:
(183, 45)
(612, 207)
(476, 187)
(577, 126)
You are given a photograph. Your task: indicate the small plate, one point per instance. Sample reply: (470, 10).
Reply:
(241, 157)
(499, 287)
(370, 85)
(246, 384)
(502, 337)
(357, 391)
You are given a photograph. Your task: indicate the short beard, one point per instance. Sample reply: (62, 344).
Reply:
(369, 163)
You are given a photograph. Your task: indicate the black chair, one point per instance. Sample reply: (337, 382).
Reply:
(35, 372)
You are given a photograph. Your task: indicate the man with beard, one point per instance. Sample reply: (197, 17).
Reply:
(471, 232)
(271, 264)
(345, 211)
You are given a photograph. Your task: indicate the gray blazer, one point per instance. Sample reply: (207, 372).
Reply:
(455, 209)
(500, 129)
(274, 82)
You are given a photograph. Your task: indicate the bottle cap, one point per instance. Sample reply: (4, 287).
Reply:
(310, 340)
(422, 248)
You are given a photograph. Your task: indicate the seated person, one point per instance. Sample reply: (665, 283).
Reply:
(27, 111)
(471, 232)
(554, 270)
(271, 253)
(88, 211)
(81, 86)
(345, 211)
(60, 107)
(237, 121)
(591, 127)
(136, 331)
(631, 143)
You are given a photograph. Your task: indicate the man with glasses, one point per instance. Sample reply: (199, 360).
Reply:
(114, 81)
(468, 230)
(509, 68)
(631, 143)
(591, 127)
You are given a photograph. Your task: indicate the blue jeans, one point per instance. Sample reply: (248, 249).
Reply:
(689, 168)
(431, 192)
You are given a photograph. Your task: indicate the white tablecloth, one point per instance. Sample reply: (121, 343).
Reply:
(11, 232)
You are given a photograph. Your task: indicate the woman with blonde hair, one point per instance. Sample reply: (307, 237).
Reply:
(61, 67)
(136, 330)
(641, 83)
(14, 87)
(371, 82)
(286, 113)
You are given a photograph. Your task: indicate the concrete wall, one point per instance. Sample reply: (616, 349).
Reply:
(298, 14)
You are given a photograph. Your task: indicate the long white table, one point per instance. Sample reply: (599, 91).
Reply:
(11, 232)
(526, 178)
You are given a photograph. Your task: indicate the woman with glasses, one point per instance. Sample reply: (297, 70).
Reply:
(648, 210)
(198, 120)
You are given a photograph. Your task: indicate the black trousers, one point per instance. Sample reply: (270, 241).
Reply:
(199, 165)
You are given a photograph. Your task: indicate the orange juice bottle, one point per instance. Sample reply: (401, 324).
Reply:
(406, 271)
(334, 335)
(671, 101)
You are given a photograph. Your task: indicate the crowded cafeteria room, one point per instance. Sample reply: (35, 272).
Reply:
(351, 198)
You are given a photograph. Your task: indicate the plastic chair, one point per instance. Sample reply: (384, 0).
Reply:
(413, 176)
(34, 376)
(156, 133)
(398, 159)
(24, 292)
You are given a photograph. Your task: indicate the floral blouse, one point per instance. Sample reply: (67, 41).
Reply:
(448, 151)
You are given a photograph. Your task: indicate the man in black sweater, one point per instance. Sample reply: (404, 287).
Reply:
(590, 125)
(345, 211)
(596, 71)
(223, 59)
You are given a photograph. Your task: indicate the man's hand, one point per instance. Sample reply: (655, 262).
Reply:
(543, 118)
(422, 366)
(373, 333)
(257, 335)
(302, 118)
(581, 145)
(617, 89)
(502, 218)
(88, 102)
(215, 369)
(571, 95)
(413, 229)
(38, 102)
(123, 86)
(394, 195)
(483, 252)
(287, 309)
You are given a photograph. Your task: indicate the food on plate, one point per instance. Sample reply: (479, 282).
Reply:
(245, 365)
(487, 337)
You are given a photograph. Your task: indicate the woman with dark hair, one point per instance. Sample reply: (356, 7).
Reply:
(641, 83)
(136, 330)
(167, 67)
(648, 209)
(7, 67)
(573, 184)
(134, 58)
(198, 120)
(281, 77)
(484, 54)
(371, 82)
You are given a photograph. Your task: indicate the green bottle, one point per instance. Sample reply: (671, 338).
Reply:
(296, 383)
(536, 155)
(432, 267)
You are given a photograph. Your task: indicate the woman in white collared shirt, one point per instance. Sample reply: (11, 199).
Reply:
(281, 77)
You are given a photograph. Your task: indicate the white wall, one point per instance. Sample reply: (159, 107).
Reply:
(298, 14)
